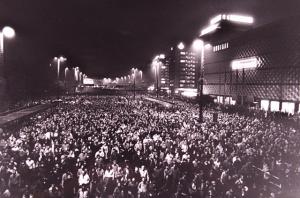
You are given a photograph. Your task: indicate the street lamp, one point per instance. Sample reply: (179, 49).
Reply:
(141, 73)
(6, 32)
(155, 65)
(59, 60)
(133, 70)
(198, 45)
(66, 73)
(180, 46)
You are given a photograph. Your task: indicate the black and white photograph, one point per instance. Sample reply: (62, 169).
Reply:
(149, 99)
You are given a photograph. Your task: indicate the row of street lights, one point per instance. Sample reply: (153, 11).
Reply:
(78, 75)
(134, 77)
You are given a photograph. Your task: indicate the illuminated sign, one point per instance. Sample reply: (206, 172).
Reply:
(214, 22)
(233, 18)
(216, 19)
(209, 29)
(244, 63)
(88, 81)
(239, 18)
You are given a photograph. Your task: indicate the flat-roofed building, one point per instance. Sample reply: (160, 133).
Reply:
(254, 65)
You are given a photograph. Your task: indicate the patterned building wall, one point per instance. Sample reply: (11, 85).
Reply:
(277, 75)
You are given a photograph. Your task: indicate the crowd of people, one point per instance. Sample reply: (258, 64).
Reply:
(93, 146)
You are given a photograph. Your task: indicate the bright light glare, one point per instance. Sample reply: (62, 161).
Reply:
(244, 63)
(189, 94)
(8, 32)
(151, 88)
(209, 29)
(240, 18)
(180, 46)
(232, 17)
(264, 105)
(88, 81)
(207, 46)
(62, 58)
(216, 19)
(274, 106)
(162, 56)
(198, 44)
(288, 107)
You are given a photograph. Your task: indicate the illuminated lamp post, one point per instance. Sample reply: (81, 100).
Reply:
(198, 45)
(156, 74)
(180, 46)
(6, 32)
(141, 73)
(133, 74)
(65, 79)
(156, 64)
(59, 61)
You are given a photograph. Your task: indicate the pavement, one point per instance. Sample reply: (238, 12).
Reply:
(164, 103)
(22, 113)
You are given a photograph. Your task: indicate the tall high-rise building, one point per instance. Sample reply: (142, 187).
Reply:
(164, 73)
(183, 68)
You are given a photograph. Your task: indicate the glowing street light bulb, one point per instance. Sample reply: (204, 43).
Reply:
(8, 32)
(207, 46)
(59, 60)
(162, 56)
(141, 73)
(180, 46)
(198, 44)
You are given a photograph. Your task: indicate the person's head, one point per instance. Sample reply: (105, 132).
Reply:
(213, 183)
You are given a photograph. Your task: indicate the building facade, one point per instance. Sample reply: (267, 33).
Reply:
(260, 66)
(182, 69)
(165, 73)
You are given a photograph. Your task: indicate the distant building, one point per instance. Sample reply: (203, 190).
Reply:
(179, 71)
(255, 66)
(165, 73)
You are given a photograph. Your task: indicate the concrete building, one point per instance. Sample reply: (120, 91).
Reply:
(165, 73)
(182, 68)
(258, 66)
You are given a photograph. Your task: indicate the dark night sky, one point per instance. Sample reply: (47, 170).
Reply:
(108, 37)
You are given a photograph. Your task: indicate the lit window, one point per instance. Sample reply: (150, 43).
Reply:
(288, 107)
(274, 106)
(220, 47)
(264, 105)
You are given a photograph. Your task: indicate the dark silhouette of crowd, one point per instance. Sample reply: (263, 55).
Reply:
(93, 146)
